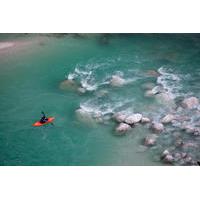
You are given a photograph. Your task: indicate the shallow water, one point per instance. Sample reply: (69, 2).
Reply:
(29, 83)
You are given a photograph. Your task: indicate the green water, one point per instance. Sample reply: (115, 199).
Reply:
(29, 83)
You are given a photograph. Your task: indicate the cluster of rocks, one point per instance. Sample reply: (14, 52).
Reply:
(177, 118)
(128, 121)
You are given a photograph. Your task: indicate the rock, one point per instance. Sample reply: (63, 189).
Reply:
(145, 120)
(134, 118)
(168, 118)
(164, 153)
(120, 117)
(179, 143)
(191, 102)
(81, 90)
(149, 93)
(190, 145)
(123, 127)
(68, 84)
(168, 158)
(189, 129)
(148, 86)
(157, 127)
(150, 140)
(165, 98)
(153, 73)
(84, 116)
(177, 156)
(117, 81)
(183, 155)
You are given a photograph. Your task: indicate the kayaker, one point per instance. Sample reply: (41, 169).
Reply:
(43, 118)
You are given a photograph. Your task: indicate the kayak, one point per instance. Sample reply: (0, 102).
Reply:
(50, 120)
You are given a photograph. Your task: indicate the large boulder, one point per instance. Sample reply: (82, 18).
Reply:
(157, 127)
(167, 119)
(117, 81)
(191, 102)
(134, 118)
(122, 128)
(150, 140)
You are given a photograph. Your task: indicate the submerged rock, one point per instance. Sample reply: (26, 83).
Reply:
(157, 127)
(123, 127)
(167, 119)
(134, 118)
(117, 81)
(81, 90)
(68, 84)
(165, 98)
(150, 140)
(149, 93)
(153, 73)
(191, 102)
(148, 86)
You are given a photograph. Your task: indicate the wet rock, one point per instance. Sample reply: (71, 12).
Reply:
(191, 102)
(117, 81)
(177, 156)
(189, 129)
(183, 155)
(145, 120)
(187, 145)
(167, 119)
(153, 73)
(123, 127)
(81, 90)
(120, 117)
(150, 140)
(179, 143)
(84, 116)
(68, 84)
(165, 98)
(134, 118)
(149, 93)
(168, 158)
(157, 127)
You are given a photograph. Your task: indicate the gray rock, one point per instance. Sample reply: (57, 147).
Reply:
(145, 120)
(120, 117)
(168, 158)
(123, 127)
(150, 140)
(168, 118)
(157, 127)
(117, 81)
(134, 118)
(148, 86)
(191, 102)
(81, 90)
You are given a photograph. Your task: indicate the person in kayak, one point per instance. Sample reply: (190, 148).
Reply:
(43, 118)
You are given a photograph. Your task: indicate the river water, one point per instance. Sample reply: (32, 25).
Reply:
(32, 72)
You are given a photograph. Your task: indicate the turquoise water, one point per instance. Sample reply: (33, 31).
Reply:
(30, 80)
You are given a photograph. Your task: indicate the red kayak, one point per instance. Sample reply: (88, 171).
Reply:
(50, 120)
